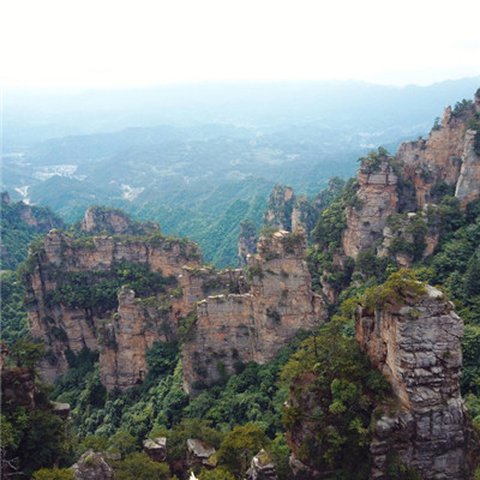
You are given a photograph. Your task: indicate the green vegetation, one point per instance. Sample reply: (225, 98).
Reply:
(333, 393)
(31, 432)
(13, 320)
(399, 286)
(97, 289)
(371, 163)
(20, 224)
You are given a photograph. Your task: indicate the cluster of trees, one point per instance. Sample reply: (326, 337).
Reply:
(97, 290)
(20, 224)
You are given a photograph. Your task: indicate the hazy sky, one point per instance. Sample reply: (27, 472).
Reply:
(103, 43)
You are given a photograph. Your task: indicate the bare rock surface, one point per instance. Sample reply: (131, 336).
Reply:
(92, 466)
(238, 328)
(416, 345)
(377, 200)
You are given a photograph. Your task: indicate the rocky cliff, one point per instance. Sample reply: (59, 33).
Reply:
(102, 220)
(418, 177)
(414, 341)
(247, 243)
(439, 159)
(234, 329)
(377, 200)
(238, 328)
(119, 295)
(73, 304)
(279, 209)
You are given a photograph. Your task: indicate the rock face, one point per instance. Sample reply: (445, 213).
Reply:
(305, 215)
(377, 200)
(131, 331)
(156, 448)
(441, 158)
(238, 328)
(280, 207)
(416, 345)
(200, 453)
(262, 467)
(111, 221)
(425, 170)
(92, 466)
(247, 242)
(122, 331)
(235, 322)
(468, 184)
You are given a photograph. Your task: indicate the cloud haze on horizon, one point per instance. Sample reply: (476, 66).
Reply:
(62, 43)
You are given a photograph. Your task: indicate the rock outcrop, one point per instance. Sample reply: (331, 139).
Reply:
(92, 466)
(77, 300)
(63, 312)
(415, 343)
(441, 158)
(132, 330)
(247, 242)
(200, 454)
(261, 468)
(156, 448)
(421, 173)
(103, 220)
(279, 209)
(377, 199)
(468, 185)
(238, 328)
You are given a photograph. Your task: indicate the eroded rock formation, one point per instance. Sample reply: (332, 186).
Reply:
(238, 328)
(377, 199)
(247, 242)
(280, 207)
(415, 343)
(111, 221)
(63, 312)
(444, 155)
(92, 466)
(261, 467)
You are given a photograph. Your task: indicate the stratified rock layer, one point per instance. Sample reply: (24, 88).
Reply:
(280, 207)
(443, 156)
(377, 200)
(112, 221)
(239, 328)
(416, 345)
(247, 243)
(121, 336)
(92, 466)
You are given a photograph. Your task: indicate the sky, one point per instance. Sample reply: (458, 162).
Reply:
(123, 43)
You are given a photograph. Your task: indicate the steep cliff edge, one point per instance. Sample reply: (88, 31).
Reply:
(119, 295)
(421, 175)
(102, 220)
(377, 200)
(72, 298)
(234, 329)
(20, 224)
(439, 159)
(414, 339)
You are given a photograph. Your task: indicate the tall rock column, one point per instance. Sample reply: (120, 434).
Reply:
(377, 199)
(246, 242)
(415, 343)
(280, 208)
(232, 329)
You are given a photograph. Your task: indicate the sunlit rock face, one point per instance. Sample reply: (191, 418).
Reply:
(238, 328)
(377, 200)
(121, 334)
(416, 344)
(446, 157)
